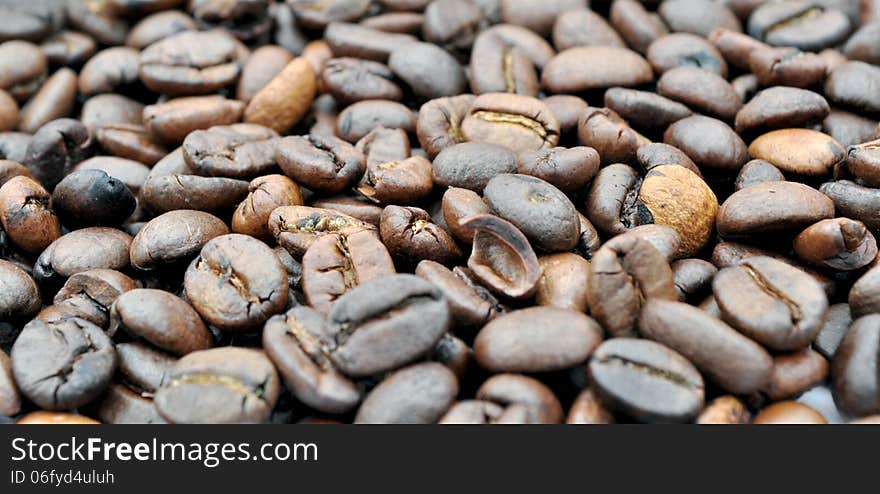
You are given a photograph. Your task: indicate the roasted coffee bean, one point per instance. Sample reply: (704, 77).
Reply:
(337, 262)
(635, 24)
(568, 110)
(132, 142)
(239, 151)
(504, 60)
(236, 283)
(62, 365)
(9, 112)
(542, 405)
(567, 169)
(388, 322)
(19, 295)
(863, 44)
(864, 297)
(284, 101)
(583, 27)
(798, 151)
(326, 164)
(266, 193)
(517, 122)
(355, 207)
(485, 412)
(540, 211)
(31, 20)
(837, 323)
(692, 278)
(451, 23)
(588, 409)
(788, 412)
(804, 25)
(771, 302)
(728, 358)
(756, 172)
(854, 201)
(170, 122)
(856, 388)
(781, 107)
(298, 343)
(850, 85)
(701, 90)
(658, 154)
(122, 405)
(382, 145)
(502, 257)
(564, 281)
(259, 69)
(56, 148)
(179, 330)
(24, 68)
(92, 198)
(646, 380)
(607, 133)
(358, 119)
(623, 276)
(710, 143)
(108, 109)
(190, 63)
(90, 295)
(157, 26)
(317, 16)
(174, 237)
(454, 166)
(409, 235)
(735, 46)
(467, 306)
(297, 227)
(352, 40)
(459, 204)
(13, 145)
(685, 50)
(698, 16)
(143, 367)
(863, 161)
(221, 385)
(403, 181)
(584, 68)
(537, 339)
(54, 100)
(109, 71)
(839, 243)
(724, 410)
(81, 250)
(11, 169)
(351, 80)
(787, 67)
(772, 207)
(746, 86)
(419, 394)
(439, 122)
(796, 372)
(428, 70)
(643, 108)
(26, 214)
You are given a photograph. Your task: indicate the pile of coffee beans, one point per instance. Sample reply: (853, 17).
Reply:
(439, 211)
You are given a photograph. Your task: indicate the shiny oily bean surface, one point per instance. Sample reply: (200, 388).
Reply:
(839, 243)
(853, 370)
(179, 331)
(173, 237)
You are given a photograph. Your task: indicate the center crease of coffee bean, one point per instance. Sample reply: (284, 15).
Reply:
(205, 379)
(768, 288)
(529, 123)
(650, 370)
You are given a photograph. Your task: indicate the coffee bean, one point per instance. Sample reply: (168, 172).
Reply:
(352, 40)
(385, 323)
(326, 164)
(710, 143)
(419, 394)
(62, 365)
(788, 412)
(701, 90)
(607, 133)
(485, 412)
(56, 148)
(92, 198)
(863, 161)
(428, 70)
(724, 410)
(297, 227)
(863, 43)
(23, 66)
(568, 110)
(698, 16)
(563, 282)
(299, 344)
(588, 409)
(787, 67)
(174, 237)
(567, 169)
(798, 151)
(731, 360)
(451, 23)
(536, 15)
(657, 154)
(170, 122)
(756, 172)
(796, 372)
(854, 201)
(638, 27)
(266, 193)
(315, 16)
(90, 295)
(190, 63)
(583, 27)
(409, 235)
(643, 108)
(692, 278)
(179, 330)
(11, 398)
(839, 243)
(467, 306)
(81, 250)
(772, 207)
(516, 389)
(536, 339)
(453, 166)
(439, 122)
(54, 418)
(799, 24)
(221, 385)
(239, 151)
(646, 380)
(780, 107)
(517, 122)
(26, 214)
(157, 26)
(594, 67)
(837, 323)
(685, 50)
(459, 204)
(121, 405)
(19, 295)
(284, 101)
(54, 100)
(358, 119)
(352, 79)
(501, 257)
(856, 388)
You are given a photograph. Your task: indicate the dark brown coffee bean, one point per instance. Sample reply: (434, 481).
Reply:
(731, 360)
(692, 278)
(504, 59)
(388, 322)
(564, 281)
(109, 109)
(594, 67)
(658, 154)
(794, 373)
(467, 306)
(174, 237)
(13, 145)
(537, 16)
(409, 235)
(685, 50)
(451, 23)
(537, 339)
(56, 148)
(539, 210)
(757, 172)
(109, 71)
(317, 16)
(92, 198)
(735, 46)
(297, 227)
(725, 409)
(646, 380)
(11, 169)
(833, 331)
(54, 100)
(241, 151)
(856, 387)
(351, 80)
(31, 20)
(266, 193)
(419, 394)
(568, 110)
(798, 151)
(788, 412)
(338, 262)
(24, 68)
(517, 122)
(568, 169)
(623, 276)
(9, 112)
(19, 295)
(454, 166)
(839, 243)
(284, 100)
(179, 330)
(352, 206)
(804, 25)
(701, 90)
(190, 63)
(144, 367)
(439, 122)
(122, 405)
(516, 389)
(259, 69)
(864, 297)
(698, 16)
(402, 181)
(26, 214)
(428, 70)
(710, 143)
(358, 119)
(501, 257)
(854, 201)
(90, 295)
(781, 107)
(172, 121)
(158, 26)
(645, 109)
(863, 161)
(133, 142)
(863, 44)
(299, 343)
(221, 385)
(62, 365)
(459, 204)
(583, 27)
(236, 283)
(588, 409)
(635, 24)
(772, 207)
(81, 250)
(787, 67)
(352, 40)
(326, 164)
(607, 133)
